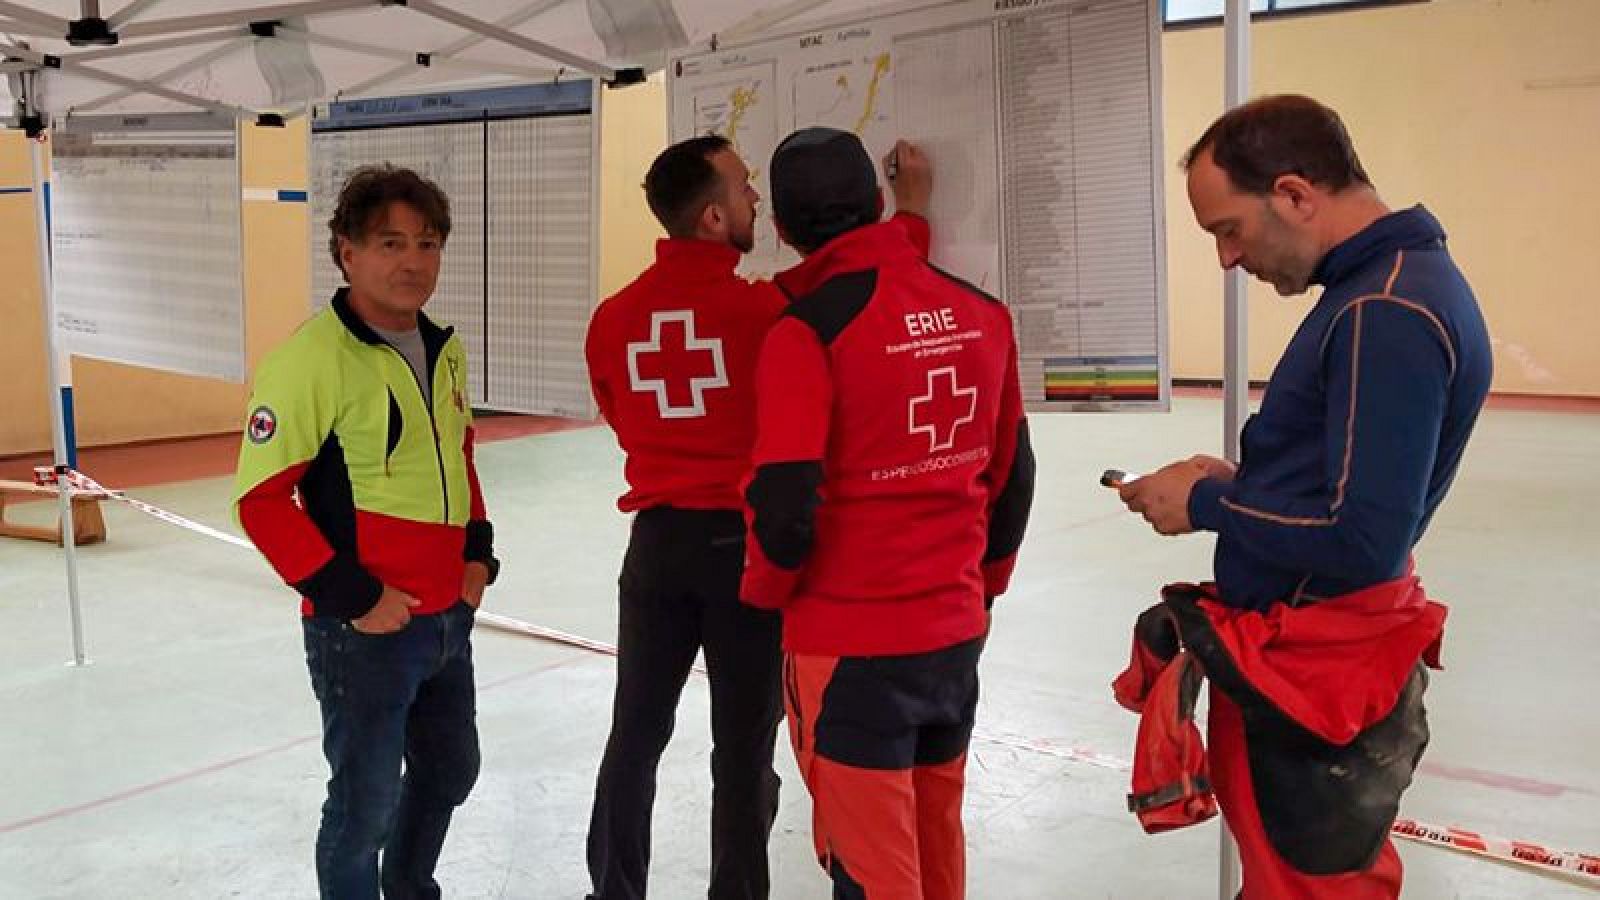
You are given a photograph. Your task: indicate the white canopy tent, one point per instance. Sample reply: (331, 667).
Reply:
(167, 55)
(274, 59)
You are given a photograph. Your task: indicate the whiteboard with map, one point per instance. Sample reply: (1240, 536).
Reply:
(1041, 118)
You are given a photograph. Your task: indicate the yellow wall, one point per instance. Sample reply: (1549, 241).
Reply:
(24, 413)
(633, 129)
(1488, 111)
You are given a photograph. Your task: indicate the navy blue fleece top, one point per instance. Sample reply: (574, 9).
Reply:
(1362, 426)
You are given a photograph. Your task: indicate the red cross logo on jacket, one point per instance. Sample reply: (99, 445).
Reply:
(943, 409)
(676, 365)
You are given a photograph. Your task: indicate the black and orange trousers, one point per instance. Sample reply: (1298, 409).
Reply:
(882, 746)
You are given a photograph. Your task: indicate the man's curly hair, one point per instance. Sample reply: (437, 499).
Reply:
(369, 191)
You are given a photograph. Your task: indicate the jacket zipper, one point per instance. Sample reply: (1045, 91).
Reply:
(433, 425)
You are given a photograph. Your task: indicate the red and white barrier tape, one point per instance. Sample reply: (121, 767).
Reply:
(83, 485)
(1049, 748)
(517, 626)
(45, 476)
(1583, 866)
(1546, 859)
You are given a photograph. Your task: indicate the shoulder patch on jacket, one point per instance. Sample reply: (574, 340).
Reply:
(263, 425)
(832, 307)
(970, 287)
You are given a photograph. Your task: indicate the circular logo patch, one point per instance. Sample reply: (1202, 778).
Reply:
(262, 426)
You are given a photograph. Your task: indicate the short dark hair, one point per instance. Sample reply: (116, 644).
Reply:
(368, 192)
(682, 181)
(1283, 134)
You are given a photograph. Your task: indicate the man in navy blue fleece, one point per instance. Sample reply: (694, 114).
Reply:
(1357, 441)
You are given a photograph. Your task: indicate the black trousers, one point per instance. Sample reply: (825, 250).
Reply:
(679, 593)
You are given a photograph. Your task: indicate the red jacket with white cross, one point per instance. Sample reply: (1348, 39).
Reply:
(893, 473)
(672, 361)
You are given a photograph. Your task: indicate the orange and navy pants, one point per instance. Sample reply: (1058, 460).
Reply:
(882, 746)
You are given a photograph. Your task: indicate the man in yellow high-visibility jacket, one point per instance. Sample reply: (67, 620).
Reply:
(356, 481)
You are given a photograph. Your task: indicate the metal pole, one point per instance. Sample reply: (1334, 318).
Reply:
(1236, 345)
(495, 33)
(58, 386)
(1236, 348)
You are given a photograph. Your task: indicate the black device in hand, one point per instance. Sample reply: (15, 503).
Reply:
(1115, 478)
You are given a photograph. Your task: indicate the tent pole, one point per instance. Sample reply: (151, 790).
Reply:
(60, 389)
(1236, 347)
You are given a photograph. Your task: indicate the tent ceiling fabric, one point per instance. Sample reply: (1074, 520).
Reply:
(351, 47)
(638, 29)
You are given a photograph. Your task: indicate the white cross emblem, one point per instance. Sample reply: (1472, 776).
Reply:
(943, 409)
(676, 367)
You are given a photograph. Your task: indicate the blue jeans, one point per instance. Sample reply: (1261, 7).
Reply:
(407, 696)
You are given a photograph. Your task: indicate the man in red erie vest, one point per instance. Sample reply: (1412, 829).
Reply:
(672, 359)
(892, 482)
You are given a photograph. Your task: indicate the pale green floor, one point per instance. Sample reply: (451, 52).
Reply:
(193, 734)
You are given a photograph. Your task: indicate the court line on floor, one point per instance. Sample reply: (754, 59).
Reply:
(234, 762)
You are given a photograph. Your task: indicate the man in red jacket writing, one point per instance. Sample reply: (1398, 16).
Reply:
(891, 486)
(672, 361)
